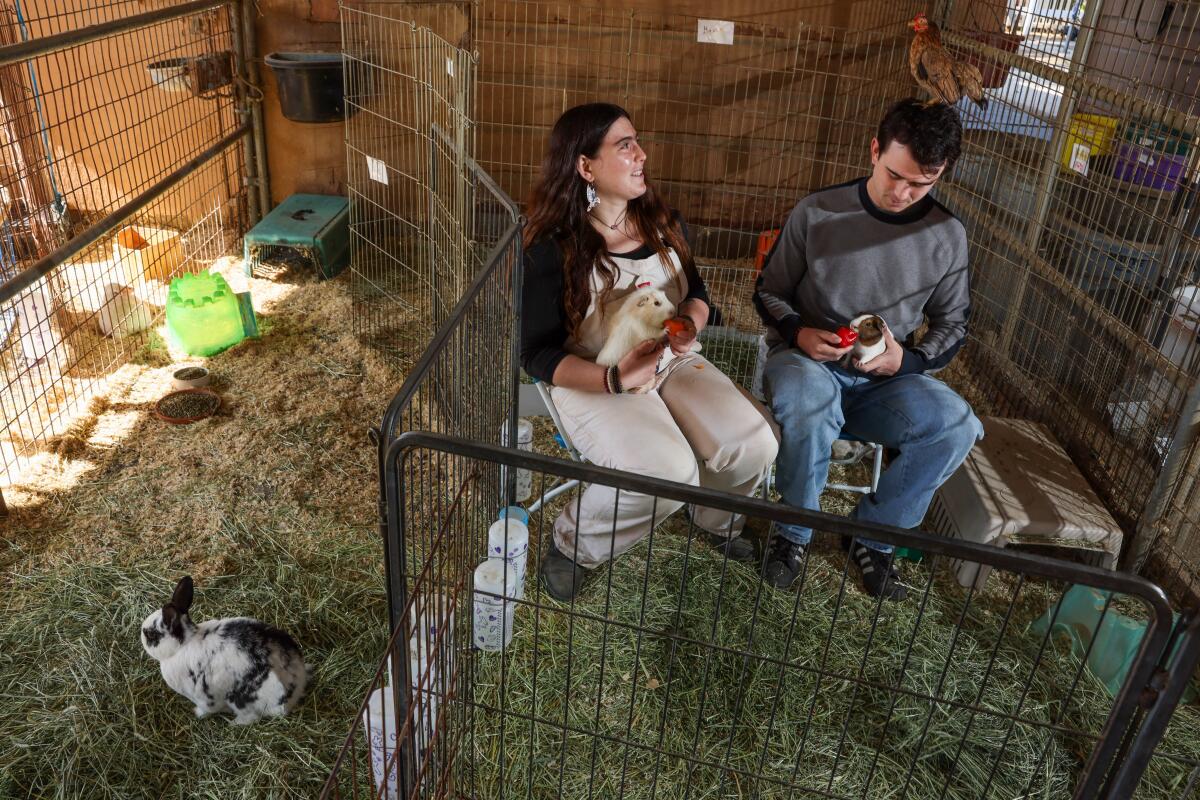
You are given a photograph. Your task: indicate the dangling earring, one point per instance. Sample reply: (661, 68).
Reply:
(592, 199)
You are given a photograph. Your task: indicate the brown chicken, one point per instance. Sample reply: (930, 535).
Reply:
(937, 72)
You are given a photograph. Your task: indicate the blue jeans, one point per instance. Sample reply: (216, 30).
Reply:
(924, 419)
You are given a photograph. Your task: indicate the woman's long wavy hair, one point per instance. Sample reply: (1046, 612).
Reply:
(558, 208)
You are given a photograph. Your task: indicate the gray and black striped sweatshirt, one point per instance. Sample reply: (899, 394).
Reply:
(839, 256)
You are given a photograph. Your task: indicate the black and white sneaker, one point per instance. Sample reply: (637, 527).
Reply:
(783, 562)
(878, 571)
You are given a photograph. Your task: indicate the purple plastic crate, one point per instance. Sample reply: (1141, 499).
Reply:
(1149, 168)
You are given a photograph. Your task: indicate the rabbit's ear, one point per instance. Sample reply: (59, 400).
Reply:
(182, 598)
(171, 622)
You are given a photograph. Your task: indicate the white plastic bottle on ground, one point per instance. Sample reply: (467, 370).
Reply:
(495, 586)
(508, 538)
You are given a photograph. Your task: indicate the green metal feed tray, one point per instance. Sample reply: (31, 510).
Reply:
(204, 316)
(315, 227)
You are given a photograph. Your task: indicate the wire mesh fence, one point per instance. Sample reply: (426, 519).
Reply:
(1078, 185)
(119, 168)
(734, 133)
(417, 238)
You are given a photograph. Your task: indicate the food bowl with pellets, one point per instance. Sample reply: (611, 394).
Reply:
(187, 405)
(190, 378)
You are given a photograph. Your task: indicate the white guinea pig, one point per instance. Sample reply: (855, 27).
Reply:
(640, 316)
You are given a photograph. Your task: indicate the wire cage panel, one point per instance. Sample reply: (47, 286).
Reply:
(735, 134)
(679, 673)
(111, 183)
(408, 141)
(1078, 187)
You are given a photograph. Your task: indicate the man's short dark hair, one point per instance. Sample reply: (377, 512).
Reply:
(932, 133)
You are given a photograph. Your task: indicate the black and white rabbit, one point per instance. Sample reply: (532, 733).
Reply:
(236, 664)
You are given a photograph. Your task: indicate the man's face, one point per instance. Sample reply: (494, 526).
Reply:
(897, 180)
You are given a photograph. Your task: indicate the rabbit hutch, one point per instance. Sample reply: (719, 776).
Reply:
(373, 437)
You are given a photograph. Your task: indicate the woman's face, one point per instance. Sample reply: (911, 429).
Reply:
(616, 169)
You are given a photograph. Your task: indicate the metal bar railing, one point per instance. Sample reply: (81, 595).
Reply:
(15, 53)
(1126, 704)
(93, 233)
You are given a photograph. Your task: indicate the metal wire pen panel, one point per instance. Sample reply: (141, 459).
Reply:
(409, 139)
(677, 673)
(119, 168)
(1079, 187)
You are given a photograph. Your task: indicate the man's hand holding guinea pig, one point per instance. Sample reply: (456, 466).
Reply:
(886, 363)
(821, 345)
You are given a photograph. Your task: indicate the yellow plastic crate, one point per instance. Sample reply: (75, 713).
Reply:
(1093, 131)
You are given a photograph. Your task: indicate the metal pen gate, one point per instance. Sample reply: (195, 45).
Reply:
(627, 691)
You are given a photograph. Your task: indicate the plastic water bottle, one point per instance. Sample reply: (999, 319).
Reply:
(524, 442)
(508, 538)
(493, 628)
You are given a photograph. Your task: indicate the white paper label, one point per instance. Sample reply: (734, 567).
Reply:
(377, 170)
(1079, 157)
(714, 31)
(450, 67)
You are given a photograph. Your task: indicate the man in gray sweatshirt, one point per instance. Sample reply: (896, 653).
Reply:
(878, 245)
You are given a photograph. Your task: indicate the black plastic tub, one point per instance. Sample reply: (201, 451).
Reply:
(310, 85)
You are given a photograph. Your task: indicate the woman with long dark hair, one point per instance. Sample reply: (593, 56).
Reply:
(596, 233)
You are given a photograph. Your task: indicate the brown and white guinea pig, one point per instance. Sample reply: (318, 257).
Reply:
(870, 342)
(640, 316)
(236, 664)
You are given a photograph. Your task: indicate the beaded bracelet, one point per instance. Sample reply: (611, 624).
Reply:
(614, 378)
(607, 388)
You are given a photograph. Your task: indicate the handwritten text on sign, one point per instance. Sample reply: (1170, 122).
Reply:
(714, 31)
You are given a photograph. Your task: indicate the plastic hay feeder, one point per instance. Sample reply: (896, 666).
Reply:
(203, 314)
(187, 405)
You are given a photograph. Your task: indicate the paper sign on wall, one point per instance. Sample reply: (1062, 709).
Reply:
(1079, 157)
(714, 31)
(377, 170)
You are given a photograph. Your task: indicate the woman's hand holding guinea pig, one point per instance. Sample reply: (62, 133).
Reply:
(639, 364)
(886, 363)
(821, 345)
